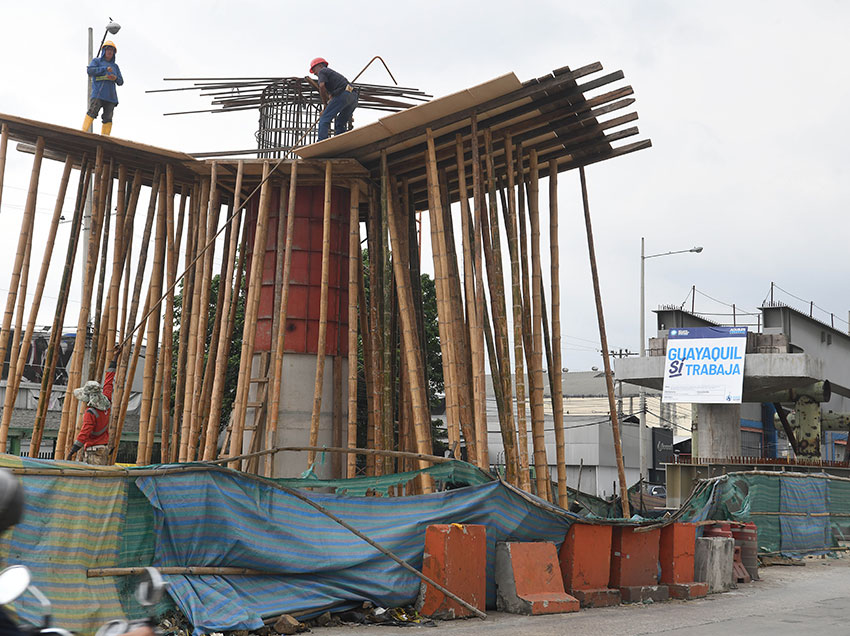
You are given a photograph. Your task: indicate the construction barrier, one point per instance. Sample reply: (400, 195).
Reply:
(455, 557)
(585, 560)
(528, 580)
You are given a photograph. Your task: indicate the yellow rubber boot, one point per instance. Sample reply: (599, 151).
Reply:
(106, 129)
(87, 122)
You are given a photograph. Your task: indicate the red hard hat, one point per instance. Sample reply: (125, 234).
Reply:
(318, 60)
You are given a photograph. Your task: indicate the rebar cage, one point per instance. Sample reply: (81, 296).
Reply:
(288, 112)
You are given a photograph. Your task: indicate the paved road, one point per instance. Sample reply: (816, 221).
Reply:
(814, 599)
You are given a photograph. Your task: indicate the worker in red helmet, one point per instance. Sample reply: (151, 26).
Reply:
(338, 95)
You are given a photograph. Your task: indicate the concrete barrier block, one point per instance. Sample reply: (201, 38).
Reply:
(644, 593)
(634, 557)
(456, 558)
(687, 591)
(676, 553)
(713, 559)
(528, 580)
(602, 597)
(585, 557)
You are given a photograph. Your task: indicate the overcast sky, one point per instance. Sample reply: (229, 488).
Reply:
(744, 103)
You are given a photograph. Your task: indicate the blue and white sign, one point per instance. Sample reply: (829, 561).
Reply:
(705, 365)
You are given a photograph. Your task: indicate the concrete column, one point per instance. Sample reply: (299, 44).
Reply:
(719, 432)
(808, 427)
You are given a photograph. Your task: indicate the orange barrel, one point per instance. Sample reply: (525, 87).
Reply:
(746, 537)
(718, 530)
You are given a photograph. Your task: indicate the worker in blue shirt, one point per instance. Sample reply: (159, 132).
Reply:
(338, 96)
(105, 76)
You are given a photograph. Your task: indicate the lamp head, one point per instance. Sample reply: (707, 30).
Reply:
(697, 249)
(113, 27)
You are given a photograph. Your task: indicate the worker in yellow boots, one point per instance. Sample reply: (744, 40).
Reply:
(105, 76)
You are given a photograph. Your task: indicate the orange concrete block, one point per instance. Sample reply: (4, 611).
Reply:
(529, 581)
(585, 557)
(634, 557)
(456, 558)
(676, 553)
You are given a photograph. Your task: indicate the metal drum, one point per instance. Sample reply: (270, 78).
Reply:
(746, 537)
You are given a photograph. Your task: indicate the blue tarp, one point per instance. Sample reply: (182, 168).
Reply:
(801, 532)
(224, 519)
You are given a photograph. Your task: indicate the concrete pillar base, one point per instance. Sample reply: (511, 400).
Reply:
(719, 431)
(713, 563)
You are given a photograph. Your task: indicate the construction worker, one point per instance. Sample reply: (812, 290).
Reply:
(105, 76)
(338, 96)
(94, 435)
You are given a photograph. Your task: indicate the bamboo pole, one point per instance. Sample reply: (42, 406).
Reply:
(388, 350)
(541, 463)
(496, 279)
(50, 356)
(123, 380)
(98, 337)
(412, 353)
(117, 259)
(149, 411)
(475, 331)
(179, 448)
(67, 427)
(24, 236)
(366, 343)
(555, 368)
(225, 287)
(251, 306)
(517, 303)
(4, 142)
(194, 318)
(479, 382)
(603, 339)
(323, 315)
(15, 352)
(212, 215)
(375, 433)
(444, 308)
(354, 258)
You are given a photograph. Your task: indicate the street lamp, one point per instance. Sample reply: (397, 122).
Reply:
(642, 427)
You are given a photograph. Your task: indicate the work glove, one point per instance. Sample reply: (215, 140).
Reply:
(77, 446)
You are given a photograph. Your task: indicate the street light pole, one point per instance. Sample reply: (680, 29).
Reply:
(642, 426)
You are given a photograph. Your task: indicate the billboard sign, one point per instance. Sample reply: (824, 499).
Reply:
(705, 365)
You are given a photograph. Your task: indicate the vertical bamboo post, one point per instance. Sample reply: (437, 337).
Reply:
(603, 340)
(496, 279)
(24, 236)
(475, 335)
(4, 142)
(98, 339)
(444, 308)
(517, 303)
(225, 286)
(251, 306)
(354, 259)
(212, 216)
(13, 380)
(366, 341)
(194, 318)
(412, 353)
(388, 350)
(555, 369)
(118, 254)
(541, 463)
(148, 416)
(375, 433)
(323, 315)
(15, 353)
(50, 356)
(482, 448)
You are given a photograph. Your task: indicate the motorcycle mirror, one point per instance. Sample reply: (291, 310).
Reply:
(14, 581)
(150, 588)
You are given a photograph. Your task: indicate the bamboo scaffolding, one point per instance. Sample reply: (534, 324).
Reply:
(98, 337)
(225, 287)
(251, 306)
(388, 350)
(555, 367)
(479, 381)
(24, 236)
(212, 215)
(67, 427)
(118, 255)
(541, 463)
(517, 304)
(50, 356)
(280, 335)
(496, 279)
(179, 448)
(365, 339)
(122, 386)
(475, 331)
(15, 353)
(15, 375)
(603, 339)
(354, 258)
(172, 250)
(323, 315)
(149, 411)
(412, 353)
(193, 320)
(374, 437)
(444, 307)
